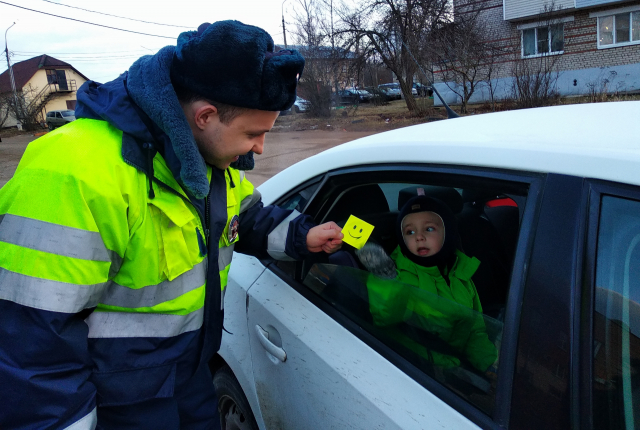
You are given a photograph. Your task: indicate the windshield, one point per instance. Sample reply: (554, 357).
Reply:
(67, 113)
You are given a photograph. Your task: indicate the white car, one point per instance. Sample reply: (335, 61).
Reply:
(299, 106)
(392, 90)
(547, 199)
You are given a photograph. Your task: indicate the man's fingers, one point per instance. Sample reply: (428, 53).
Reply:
(326, 237)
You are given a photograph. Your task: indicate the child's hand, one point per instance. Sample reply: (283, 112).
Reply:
(377, 261)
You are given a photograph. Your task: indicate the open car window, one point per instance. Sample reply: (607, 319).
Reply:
(490, 210)
(450, 342)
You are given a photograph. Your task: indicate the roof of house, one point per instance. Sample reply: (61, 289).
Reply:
(24, 70)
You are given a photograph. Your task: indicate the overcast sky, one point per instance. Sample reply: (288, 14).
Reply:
(101, 54)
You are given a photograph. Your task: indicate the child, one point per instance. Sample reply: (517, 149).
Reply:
(432, 307)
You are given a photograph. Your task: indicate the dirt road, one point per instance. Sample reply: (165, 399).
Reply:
(281, 150)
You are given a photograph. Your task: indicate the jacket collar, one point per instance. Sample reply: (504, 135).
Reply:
(149, 86)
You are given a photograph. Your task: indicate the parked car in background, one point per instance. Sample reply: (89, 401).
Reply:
(299, 106)
(377, 95)
(365, 96)
(352, 96)
(392, 90)
(57, 118)
(553, 215)
(423, 90)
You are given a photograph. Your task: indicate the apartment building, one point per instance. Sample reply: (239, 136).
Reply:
(592, 45)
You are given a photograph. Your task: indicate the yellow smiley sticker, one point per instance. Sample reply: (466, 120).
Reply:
(356, 232)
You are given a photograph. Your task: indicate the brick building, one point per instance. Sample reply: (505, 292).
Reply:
(594, 44)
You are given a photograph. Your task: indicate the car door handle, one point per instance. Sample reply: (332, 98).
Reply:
(276, 351)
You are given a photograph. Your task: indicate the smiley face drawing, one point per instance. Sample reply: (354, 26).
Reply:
(356, 232)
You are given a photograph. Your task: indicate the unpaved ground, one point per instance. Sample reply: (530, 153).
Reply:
(281, 150)
(11, 149)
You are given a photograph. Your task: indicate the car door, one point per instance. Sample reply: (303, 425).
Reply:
(610, 353)
(317, 360)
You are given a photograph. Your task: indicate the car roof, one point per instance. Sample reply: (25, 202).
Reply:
(594, 140)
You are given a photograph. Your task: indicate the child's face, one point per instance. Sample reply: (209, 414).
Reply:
(423, 233)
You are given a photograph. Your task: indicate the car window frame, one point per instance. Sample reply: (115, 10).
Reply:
(535, 182)
(595, 190)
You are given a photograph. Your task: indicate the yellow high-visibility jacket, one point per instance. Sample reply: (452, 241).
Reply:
(110, 292)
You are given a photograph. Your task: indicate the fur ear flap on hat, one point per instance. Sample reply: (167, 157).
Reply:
(234, 63)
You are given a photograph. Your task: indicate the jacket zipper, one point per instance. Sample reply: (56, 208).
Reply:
(206, 214)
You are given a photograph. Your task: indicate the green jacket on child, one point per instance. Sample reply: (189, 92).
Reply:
(440, 321)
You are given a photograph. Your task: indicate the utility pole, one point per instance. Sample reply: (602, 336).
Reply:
(284, 32)
(13, 81)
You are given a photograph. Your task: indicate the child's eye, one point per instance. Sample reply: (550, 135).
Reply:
(409, 232)
(430, 229)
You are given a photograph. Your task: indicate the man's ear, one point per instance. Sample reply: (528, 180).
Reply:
(203, 114)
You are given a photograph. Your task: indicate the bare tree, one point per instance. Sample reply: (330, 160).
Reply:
(5, 107)
(535, 68)
(29, 107)
(33, 101)
(463, 56)
(494, 69)
(395, 31)
(327, 64)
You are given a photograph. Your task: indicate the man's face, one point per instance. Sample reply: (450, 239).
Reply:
(423, 233)
(221, 144)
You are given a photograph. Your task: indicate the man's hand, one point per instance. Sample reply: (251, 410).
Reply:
(325, 237)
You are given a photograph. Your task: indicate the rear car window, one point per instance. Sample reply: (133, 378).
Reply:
(616, 324)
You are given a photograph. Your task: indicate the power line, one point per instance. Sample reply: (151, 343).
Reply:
(86, 58)
(86, 22)
(23, 53)
(116, 16)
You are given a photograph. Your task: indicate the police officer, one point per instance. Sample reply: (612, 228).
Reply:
(117, 232)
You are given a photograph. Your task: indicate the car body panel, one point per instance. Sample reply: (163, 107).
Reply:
(235, 347)
(325, 367)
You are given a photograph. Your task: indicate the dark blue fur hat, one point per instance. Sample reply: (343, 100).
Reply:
(234, 63)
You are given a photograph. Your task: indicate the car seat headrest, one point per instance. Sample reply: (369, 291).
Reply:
(359, 201)
(447, 195)
(478, 196)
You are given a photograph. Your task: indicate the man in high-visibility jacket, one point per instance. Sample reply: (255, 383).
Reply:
(117, 232)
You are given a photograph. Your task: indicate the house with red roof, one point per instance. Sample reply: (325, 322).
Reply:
(46, 84)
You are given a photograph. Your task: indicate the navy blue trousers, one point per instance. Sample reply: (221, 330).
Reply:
(195, 407)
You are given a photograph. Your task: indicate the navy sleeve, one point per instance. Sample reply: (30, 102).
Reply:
(273, 232)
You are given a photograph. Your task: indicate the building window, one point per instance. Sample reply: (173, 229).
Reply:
(52, 78)
(543, 40)
(619, 29)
